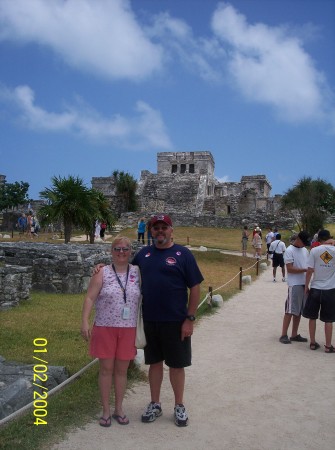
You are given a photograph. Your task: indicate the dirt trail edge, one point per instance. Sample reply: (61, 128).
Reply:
(244, 391)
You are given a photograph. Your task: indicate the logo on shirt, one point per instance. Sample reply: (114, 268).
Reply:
(171, 261)
(326, 257)
(178, 253)
(147, 255)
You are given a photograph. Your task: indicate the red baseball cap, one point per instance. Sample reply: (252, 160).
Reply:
(161, 218)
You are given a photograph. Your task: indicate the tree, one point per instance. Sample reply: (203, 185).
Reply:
(13, 194)
(100, 210)
(71, 202)
(126, 190)
(310, 202)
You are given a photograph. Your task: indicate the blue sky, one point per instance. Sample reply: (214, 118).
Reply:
(92, 86)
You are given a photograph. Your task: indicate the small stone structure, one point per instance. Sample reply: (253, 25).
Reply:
(59, 268)
(16, 385)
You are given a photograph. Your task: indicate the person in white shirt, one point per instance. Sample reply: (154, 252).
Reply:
(321, 295)
(269, 238)
(277, 249)
(295, 257)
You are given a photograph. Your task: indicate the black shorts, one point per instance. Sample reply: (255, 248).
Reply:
(323, 301)
(278, 260)
(164, 344)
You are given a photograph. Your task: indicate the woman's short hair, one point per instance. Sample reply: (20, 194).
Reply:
(120, 239)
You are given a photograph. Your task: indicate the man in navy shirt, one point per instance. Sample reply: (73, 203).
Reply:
(171, 292)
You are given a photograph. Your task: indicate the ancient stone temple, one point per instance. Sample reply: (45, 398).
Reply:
(185, 186)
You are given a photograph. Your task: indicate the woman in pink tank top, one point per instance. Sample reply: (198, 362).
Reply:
(115, 292)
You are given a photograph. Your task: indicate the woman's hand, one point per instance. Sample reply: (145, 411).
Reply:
(85, 330)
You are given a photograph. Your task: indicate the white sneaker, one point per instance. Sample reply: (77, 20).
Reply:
(180, 416)
(153, 411)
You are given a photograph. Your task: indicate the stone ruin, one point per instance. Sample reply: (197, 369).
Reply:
(185, 187)
(58, 268)
(16, 384)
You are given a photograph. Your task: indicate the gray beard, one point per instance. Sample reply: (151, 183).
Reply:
(162, 242)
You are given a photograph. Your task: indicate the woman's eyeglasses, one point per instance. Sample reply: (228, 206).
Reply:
(119, 249)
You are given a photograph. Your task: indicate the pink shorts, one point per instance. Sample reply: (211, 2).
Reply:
(113, 343)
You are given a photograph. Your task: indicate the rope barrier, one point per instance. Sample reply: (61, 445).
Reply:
(51, 392)
(232, 279)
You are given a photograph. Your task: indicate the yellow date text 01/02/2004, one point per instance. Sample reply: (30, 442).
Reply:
(40, 377)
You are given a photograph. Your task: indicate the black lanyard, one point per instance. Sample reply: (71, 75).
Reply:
(119, 281)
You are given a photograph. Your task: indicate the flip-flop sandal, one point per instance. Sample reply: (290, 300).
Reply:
(105, 422)
(330, 349)
(121, 420)
(314, 346)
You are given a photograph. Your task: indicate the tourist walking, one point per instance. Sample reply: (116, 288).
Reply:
(245, 237)
(257, 244)
(277, 249)
(141, 230)
(270, 237)
(22, 224)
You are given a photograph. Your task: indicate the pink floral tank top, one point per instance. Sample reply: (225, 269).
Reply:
(110, 303)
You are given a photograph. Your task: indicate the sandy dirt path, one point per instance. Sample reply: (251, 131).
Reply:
(244, 391)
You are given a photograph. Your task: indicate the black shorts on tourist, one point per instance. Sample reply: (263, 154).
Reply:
(323, 301)
(164, 344)
(278, 260)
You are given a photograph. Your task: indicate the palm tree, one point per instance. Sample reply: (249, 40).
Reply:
(126, 190)
(72, 203)
(100, 210)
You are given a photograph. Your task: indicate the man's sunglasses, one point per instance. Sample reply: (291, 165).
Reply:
(160, 227)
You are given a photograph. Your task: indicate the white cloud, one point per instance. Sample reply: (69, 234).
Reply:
(270, 65)
(100, 37)
(198, 55)
(223, 179)
(145, 130)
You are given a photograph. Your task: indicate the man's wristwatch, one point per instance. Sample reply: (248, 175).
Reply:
(191, 318)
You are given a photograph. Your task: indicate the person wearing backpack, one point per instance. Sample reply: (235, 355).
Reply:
(277, 249)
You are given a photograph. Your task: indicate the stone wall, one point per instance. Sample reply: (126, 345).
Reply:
(209, 220)
(15, 284)
(176, 190)
(59, 268)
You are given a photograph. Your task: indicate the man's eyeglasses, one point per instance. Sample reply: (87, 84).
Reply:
(119, 249)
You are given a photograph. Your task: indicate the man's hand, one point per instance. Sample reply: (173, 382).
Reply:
(97, 268)
(186, 329)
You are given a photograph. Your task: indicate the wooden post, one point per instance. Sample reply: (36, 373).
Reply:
(210, 290)
(241, 278)
(188, 240)
(257, 267)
